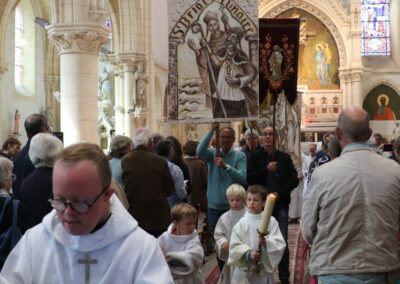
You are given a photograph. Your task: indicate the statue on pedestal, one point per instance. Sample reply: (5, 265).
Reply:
(141, 79)
(105, 86)
(17, 118)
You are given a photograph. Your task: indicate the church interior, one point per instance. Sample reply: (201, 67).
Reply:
(100, 68)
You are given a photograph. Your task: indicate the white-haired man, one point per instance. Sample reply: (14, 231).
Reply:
(351, 210)
(147, 183)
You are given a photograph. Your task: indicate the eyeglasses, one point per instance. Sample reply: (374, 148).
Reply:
(79, 206)
(13, 177)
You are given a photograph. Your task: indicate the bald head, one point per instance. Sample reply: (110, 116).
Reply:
(36, 123)
(353, 125)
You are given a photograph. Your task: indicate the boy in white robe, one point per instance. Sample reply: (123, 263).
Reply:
(244, 245)
(181, 246)
(236, 196)
(89, 237)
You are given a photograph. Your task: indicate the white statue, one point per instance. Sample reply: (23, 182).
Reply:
(139, 101)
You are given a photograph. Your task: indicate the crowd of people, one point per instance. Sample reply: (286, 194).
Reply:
(149, 230)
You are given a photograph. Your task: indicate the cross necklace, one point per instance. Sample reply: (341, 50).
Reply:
(87, 261)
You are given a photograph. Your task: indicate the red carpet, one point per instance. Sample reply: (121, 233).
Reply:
(301, 252)
(213, 277)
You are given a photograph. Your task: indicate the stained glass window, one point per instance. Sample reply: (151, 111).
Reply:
(19, 46)
(375, 26)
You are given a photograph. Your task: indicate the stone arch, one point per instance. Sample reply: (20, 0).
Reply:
(315, 11)
(374, 84)
(5, 16)
(129, 25)
(115, 25)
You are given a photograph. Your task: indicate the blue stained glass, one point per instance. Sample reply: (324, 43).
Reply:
(375, 24)
(375, 1)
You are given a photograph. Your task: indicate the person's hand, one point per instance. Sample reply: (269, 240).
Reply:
(255, 256)
(215, 126)
(220, 163)
(271, 167)
(191, 44)
(225, 246)
(262, 241)
(232, 81)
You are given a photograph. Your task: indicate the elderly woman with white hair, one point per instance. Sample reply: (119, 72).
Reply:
(36, 188)
(6, 177)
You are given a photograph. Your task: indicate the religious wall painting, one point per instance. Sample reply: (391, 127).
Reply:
(213, 60)
(318, 54)
(382, 103)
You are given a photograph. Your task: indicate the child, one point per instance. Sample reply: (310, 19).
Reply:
(236, 195)
(244, 245)
(181, 245)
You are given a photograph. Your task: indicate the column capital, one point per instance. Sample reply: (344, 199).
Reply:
(77, 38)
(130, 60)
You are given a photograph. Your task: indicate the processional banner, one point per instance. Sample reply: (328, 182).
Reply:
(279, 49)
(213, 60)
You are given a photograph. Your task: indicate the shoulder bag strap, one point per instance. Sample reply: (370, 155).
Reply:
(5, 204)
(15, 213)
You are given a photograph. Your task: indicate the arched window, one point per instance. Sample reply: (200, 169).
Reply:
(24, 49)
(375, 25)
(19, 46)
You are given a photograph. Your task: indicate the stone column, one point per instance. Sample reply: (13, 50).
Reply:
(127, 98)
(79, 46)
(343, 86)
(3, 67)
(356, 89)
(119, 100)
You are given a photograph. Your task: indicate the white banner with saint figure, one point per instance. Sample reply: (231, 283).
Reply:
(213, 60)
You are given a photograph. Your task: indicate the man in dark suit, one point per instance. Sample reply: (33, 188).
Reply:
(34, 124)
(275, 170)
(148, 183)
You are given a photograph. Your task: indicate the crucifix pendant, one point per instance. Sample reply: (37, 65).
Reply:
(87, 261)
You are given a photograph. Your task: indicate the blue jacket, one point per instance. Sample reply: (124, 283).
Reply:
(219, 179)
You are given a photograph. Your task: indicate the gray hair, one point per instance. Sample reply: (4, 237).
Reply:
(6, 167)
(142, 137)
(44, 149)
(119, 145)
(356, 129)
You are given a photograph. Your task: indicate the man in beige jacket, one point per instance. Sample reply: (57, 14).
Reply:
(351, 211)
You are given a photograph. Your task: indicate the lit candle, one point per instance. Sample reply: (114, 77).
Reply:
(266, 215)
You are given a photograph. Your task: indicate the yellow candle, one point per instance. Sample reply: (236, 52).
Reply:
(266, 215)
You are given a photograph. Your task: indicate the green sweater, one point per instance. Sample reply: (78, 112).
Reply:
(219, 179)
